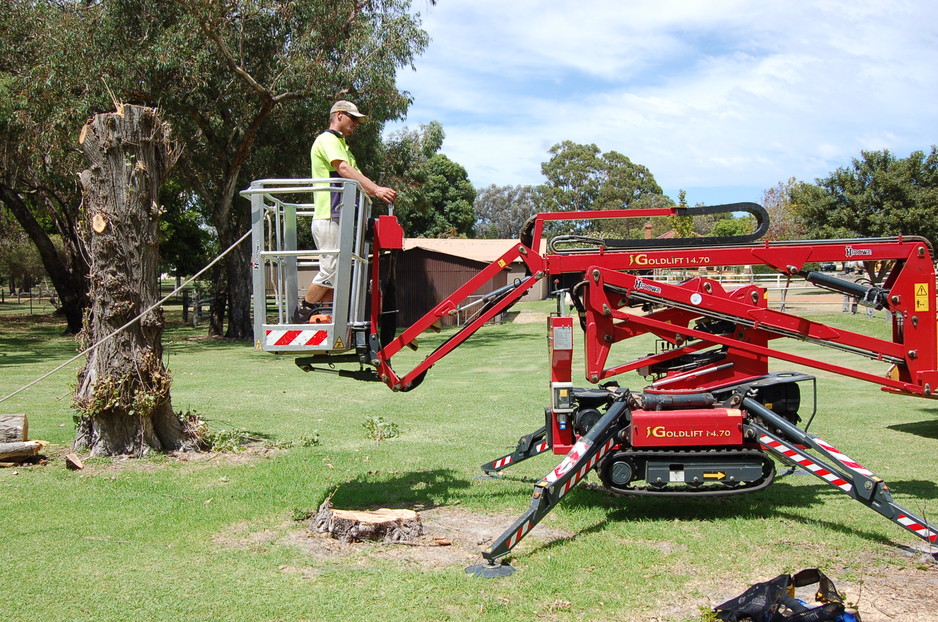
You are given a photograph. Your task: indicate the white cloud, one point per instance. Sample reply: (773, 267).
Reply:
(706, 94)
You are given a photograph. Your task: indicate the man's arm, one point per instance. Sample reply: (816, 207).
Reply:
(371, 188)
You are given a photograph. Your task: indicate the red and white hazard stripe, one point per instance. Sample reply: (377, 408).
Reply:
(515, 537)
(917, 528)
(805, 462)
(589, 465)
(502, 462)
(844, 458)
(278, 337)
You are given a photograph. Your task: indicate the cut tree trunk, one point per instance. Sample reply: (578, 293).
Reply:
(382, 525)
(19, 451)
(13, 428)
(123, 393)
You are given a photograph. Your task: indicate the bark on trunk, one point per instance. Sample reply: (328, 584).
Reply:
(216, 316)
(239, 290)
(123, 393)
(232, 288)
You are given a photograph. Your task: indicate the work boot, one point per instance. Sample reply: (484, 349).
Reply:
(304, 311)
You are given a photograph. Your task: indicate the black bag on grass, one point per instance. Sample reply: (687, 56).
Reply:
(774, 601)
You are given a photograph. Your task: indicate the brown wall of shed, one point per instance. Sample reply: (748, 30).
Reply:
(425, 278)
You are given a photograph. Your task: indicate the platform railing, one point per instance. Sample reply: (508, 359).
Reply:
(278, 207)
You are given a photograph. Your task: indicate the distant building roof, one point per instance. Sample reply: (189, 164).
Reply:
(670, 235)
(485, 251)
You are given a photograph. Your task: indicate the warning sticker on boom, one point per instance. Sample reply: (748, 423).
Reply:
(921, 297)
(338, 345)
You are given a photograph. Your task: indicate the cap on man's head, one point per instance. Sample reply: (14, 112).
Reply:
(348, 107)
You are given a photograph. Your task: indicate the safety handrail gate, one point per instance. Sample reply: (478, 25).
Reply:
(276, 204)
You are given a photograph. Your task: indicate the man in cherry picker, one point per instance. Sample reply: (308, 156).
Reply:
(331, 157)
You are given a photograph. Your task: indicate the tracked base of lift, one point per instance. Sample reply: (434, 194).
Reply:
(491, 570)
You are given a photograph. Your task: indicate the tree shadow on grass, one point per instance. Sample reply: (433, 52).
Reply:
(421, 489)
(23, 343)
(21, 357)
(179, 345)
(927, 429)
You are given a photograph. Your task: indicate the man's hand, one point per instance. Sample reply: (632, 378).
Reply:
(387, 195)
(371, 188)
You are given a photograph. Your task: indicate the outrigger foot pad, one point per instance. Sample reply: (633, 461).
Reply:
(490, 570)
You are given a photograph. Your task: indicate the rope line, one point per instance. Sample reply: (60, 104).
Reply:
(128, 324)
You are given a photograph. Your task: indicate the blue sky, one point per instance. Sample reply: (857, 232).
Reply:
(722, 98)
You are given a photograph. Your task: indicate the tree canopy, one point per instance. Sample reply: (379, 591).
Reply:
(580, 178)
(878, 195)
(449, 194)
(434, 193)
(785, 222)
(245, 84)
(501, 211)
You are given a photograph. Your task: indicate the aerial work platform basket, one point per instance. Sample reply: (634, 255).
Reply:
(281, 270)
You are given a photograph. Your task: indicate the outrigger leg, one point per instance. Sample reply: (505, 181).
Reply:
(836, 468)
(529, 446)
(586, 454)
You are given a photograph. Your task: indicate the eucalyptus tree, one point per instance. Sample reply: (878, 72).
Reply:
(877, 195)
(580, 177)
(43, 104)
(434, 193)
(501, 211)
(234, 76)
(449, 194)
(785, 221)
(405, 153)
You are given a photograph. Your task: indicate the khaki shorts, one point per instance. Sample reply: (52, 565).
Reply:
(326, 235)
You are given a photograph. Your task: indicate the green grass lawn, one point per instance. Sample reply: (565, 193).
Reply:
(223, 536)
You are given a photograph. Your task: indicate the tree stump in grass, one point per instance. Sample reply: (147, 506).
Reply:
(382, 525)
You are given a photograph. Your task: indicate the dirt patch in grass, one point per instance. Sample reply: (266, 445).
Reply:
(886, 589)
(893, 594)
(889, 588)
(53, 456)
(246, 454)
(452, 537)
(530, 317)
